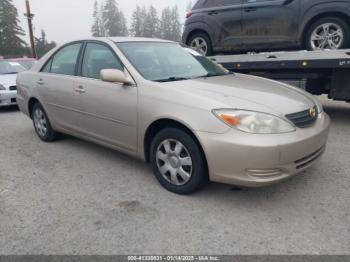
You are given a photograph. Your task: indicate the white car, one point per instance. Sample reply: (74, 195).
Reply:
(8, 75)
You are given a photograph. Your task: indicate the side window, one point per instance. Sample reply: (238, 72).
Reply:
(218, 3)
(65, 60)
(96, 58)
(47, 67)
(250, 2)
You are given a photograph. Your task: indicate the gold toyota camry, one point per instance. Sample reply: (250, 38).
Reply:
(166, 104)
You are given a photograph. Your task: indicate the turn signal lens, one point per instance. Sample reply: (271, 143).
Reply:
(189, 14)
(231, 120)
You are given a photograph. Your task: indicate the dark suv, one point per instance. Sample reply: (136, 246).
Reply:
(257, 25)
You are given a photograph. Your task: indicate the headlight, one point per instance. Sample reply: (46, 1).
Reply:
(254, 122)
(2, 87)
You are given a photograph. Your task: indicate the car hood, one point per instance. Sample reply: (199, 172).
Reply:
(240, 91)
(8, 79)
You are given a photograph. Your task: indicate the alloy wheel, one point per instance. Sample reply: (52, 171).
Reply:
(200, 45)
(40, 122)
(174, 162)
(327, 36)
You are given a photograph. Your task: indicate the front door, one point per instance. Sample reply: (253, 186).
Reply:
(110, 109)
(269, 23)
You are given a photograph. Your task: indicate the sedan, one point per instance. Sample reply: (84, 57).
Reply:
(8, 74)
(164, 103)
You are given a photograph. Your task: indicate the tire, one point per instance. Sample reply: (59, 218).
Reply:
(206, 40)
(197, 174)
(42, 124)
(334, 23)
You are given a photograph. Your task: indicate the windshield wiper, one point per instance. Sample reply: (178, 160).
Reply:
(209, 75)
(171, 79)
(213, 74)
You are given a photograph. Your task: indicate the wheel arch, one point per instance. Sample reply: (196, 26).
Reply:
(319, 16)
(31, 102)
(156, 126)
(197, 31)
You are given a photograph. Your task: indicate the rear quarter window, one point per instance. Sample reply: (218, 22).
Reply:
(219, 3)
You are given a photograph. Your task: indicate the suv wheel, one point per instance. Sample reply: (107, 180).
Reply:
(201, 43)
(177, 161)
(42, 124)
(328, 33)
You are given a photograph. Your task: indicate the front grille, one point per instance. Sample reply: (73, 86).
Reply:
(304, 118)
(13, 88)
(13, 100)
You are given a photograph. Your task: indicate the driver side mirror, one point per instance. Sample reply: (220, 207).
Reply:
(115, 76)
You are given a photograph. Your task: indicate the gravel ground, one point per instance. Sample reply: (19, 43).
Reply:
(73, 197)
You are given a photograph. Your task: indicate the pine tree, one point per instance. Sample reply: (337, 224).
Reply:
(11, 43)
(102, 26)
(96, 27)
(166, 24)
(42, 45)
(175, 24)
(113, 20)
(136, 23)
(123, 24)
(152, 23)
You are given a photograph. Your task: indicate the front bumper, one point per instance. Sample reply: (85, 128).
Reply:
(259, 160)
(8, 98)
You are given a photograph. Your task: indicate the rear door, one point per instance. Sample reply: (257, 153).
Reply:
(57, 89)
(268, 22)
(110, 109)
(224, 17)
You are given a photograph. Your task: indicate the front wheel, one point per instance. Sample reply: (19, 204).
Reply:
(42, 124)
(328, 33)
(177, 161)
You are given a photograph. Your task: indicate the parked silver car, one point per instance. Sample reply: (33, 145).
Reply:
(8, 74)
(166, 104)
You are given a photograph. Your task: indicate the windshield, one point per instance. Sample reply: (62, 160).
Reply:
(165, 62)
(10, 68)
(27, 64)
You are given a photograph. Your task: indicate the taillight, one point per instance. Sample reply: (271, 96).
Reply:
(189, 14)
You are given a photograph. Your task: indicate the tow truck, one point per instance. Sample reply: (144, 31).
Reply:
(318, 72)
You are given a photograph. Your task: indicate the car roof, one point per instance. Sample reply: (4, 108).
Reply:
(21, 59)
(123, 39)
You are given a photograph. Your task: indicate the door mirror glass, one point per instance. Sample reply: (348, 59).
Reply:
(114, 76)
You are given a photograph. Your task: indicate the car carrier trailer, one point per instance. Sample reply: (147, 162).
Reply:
(318, 72)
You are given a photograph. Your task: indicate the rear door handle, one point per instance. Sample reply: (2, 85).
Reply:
(79, 89)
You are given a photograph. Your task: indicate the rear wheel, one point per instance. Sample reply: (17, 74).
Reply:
(328, 33)
(42, 124)
(201, 43)
(177, 161)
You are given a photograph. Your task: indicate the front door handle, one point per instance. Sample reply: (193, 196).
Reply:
(80, 89)
(250, 9)
(213, 13)
(40, 82)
